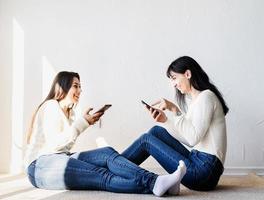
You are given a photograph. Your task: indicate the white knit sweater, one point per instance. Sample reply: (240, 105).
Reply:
(53, 132)
(203, 127)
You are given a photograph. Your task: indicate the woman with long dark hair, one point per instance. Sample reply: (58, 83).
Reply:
(198, 123)
(50, 164)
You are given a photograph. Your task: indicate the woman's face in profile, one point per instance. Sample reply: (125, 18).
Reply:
(74, 93)
(180, 81)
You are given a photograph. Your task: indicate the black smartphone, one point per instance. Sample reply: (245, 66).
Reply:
(104, 108)
(147, 105)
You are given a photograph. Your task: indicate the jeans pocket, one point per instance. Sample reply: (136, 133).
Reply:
(206, 159)
(198, 158)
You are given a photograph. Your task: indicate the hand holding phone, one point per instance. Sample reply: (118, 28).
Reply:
(93, 118)
(104, 108)
(157, 114)
(151, 109)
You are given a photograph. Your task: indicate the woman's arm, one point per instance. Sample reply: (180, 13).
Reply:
(59, 134)
(194, 128)
(169, 126)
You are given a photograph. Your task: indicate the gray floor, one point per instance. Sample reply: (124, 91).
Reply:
(237, 188)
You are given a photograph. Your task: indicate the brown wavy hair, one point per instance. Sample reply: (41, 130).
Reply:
(59, 89)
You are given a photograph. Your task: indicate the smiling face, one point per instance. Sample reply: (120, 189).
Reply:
(181, 81)
(74, 93)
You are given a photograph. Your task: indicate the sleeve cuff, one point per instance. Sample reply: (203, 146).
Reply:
(81, 124)
(168, 125)
(177, 118)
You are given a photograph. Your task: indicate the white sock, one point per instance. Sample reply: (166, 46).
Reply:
(175, 189)
(165, 182)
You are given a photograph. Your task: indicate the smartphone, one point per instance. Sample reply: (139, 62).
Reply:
(104, 108)
(147, 105)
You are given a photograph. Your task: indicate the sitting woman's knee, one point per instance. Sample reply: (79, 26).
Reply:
(155, 130)
(144, 136)
(109, 150)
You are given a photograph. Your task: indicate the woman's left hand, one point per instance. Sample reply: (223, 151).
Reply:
(158, 115)
(92, 118)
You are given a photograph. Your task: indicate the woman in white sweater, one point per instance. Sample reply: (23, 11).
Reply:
(51, 165)
(200, 125)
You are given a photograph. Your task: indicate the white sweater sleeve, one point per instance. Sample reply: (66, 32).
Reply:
(52, 132)
(191, 130)
(60, 136)
(169, 126)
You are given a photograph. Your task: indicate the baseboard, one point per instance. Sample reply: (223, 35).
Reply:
(240, 171)
(230, 171)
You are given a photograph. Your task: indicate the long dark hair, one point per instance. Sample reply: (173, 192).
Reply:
(59, 89)
(199, 80)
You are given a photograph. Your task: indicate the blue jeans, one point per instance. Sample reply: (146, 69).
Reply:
(99, 169)
(203, 169)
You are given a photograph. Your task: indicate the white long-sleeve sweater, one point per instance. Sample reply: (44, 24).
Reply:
(53, 132)
(203, 127)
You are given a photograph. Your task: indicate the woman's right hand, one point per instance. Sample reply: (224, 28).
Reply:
(164, 104)
(92, 118)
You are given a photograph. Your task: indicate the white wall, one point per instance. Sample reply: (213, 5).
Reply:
(5, 93)
(122, 50)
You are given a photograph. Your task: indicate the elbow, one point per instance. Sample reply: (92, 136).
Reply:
(193, 142)
(194, 138)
